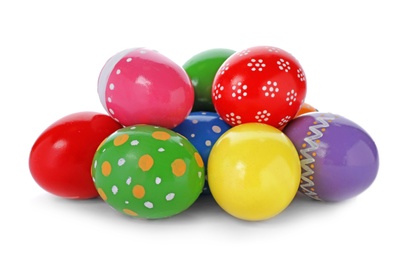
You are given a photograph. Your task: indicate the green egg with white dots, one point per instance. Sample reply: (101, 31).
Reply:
(148, 172)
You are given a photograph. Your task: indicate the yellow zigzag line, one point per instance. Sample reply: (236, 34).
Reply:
(312, 146)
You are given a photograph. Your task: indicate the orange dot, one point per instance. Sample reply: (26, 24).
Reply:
(145, 162)
(161, 135)
(300, 156)
(312, 166)
(311, 177)
(102, 194)
(138, 191)
(121, 139)
(178, 167)
(317, 141)
(315, 123)
(314, 153)
(130, 212)
(312, 189)
(199, 160)
(309, 133)
(303, 145)
(323, 129)
(106, 168)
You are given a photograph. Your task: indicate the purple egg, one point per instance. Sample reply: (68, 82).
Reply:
(339, 159)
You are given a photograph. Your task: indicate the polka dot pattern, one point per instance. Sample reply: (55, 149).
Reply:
(146, 171)
(202, 129)
(279, 87)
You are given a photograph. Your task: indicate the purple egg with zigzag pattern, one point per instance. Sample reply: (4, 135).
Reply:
(339, 159)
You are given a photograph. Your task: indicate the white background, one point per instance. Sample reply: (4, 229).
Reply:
(356, 59)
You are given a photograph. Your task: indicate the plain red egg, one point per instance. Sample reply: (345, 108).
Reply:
(61, 157)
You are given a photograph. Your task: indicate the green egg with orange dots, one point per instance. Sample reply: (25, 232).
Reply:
(148, 172)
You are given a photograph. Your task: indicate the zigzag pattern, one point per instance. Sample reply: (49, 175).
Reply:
(308, 160)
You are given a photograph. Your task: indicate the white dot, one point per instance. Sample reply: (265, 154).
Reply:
(161, 149)
(208, 143)
(129, 59)
(126, 202)
(118, 71)
(245, 94)
(109, 99)
(158, 180)
(111, 111)
(216, 129)
(121, 161)
(194, 121)
(134, 142)
(192, 135)
(148, 204)
(199, 174)
(170, 196)
(114, 189)
(112, 86)
(244, 87)
(128, 182)
(95, 164)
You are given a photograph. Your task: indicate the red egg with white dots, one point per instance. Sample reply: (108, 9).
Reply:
(260, 84)
(142, 86)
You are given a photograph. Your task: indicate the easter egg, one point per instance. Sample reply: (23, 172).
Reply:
(339, 159)
(61, 157)
(261, 84)
(142, 86)
(201, 69)
(148, 172)
(253, 171)
(305, 108)
(203, 129)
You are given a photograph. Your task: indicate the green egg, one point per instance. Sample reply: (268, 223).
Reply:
(148, 172)
(201, 69)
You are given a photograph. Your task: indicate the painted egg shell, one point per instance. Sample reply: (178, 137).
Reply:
(339, 159)
(201, 69)
(261, 84)
(142, 86)
(203, 129)
(148, 172)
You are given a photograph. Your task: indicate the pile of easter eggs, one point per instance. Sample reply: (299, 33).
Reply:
(229, 124)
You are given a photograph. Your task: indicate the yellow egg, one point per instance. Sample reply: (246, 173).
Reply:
(253, 171)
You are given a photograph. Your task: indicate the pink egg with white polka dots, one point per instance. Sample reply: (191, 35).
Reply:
(261, 84)
(142, 86)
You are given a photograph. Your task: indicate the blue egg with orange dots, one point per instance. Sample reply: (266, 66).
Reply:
(202, 129)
